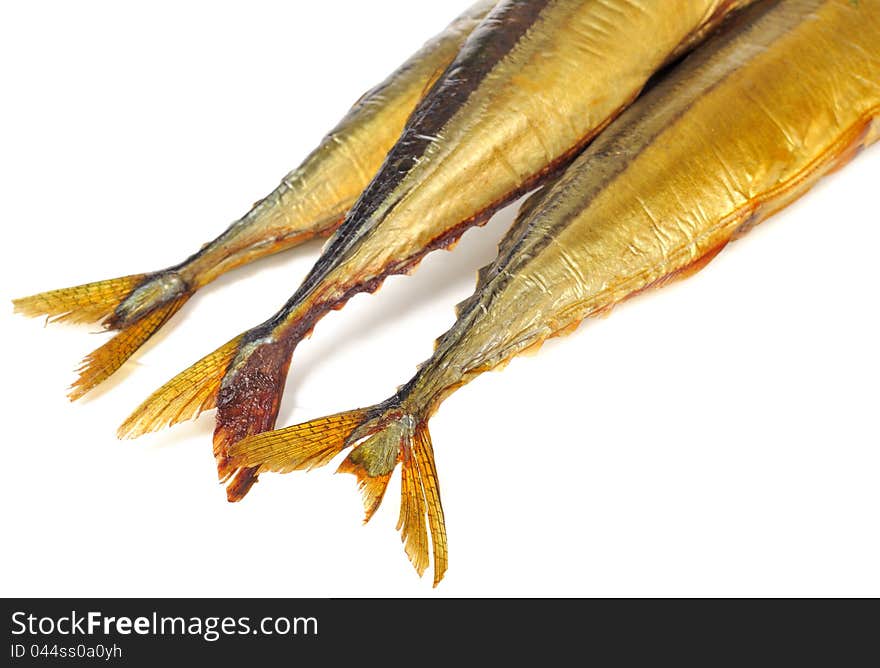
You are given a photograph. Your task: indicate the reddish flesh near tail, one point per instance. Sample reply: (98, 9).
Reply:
(250, 404)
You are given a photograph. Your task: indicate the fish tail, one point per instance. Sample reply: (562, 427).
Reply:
(299, 448)
(135, 306)
(244, 380)
(240, 483)
(103, 362)
(91, 302)
(248, 399)
(184, 396)
(381, 437)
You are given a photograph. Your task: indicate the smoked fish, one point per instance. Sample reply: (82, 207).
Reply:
(786, 93)
(311, 201)
(531, 86)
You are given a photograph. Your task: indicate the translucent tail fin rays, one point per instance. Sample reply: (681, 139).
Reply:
(136, 306)
(103, 362)
(91, 302)
(381, 437)
(184, 396)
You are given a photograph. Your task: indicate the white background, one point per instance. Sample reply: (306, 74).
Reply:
(718, 437)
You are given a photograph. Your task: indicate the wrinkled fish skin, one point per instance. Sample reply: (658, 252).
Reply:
(313, 199)
(747, 124)
(310, 202)
(786, 93)
(532, 84)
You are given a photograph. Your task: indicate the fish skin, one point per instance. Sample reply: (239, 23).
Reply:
(500, 90)
(702, 158)
(728, 138)
(310, 202)
(478, 133)
(313, 199)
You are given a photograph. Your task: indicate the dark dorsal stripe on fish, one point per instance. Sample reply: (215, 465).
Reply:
(614, 151)
(311, 201)
(731, 137)
(487, 46)
(529, 88)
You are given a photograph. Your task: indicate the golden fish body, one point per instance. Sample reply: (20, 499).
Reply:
(787, 92)
(743, 127)
(532, 84)
(311, 201)
(479, 140)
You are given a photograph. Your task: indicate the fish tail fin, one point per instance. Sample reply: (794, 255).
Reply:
(243, 380)
(380, 437)
(249, 398)
(88, 303)
(103, 362)
(134, 306)
(184, 396)
(240, 483)
(299, 448)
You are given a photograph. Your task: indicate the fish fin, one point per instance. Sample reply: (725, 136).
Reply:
(135, 306)
(91, 302)
(240, 483)
(420, 497)
(381, 437)
(103, 362)
(298, 448)
(249, 396)
(184, 396)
